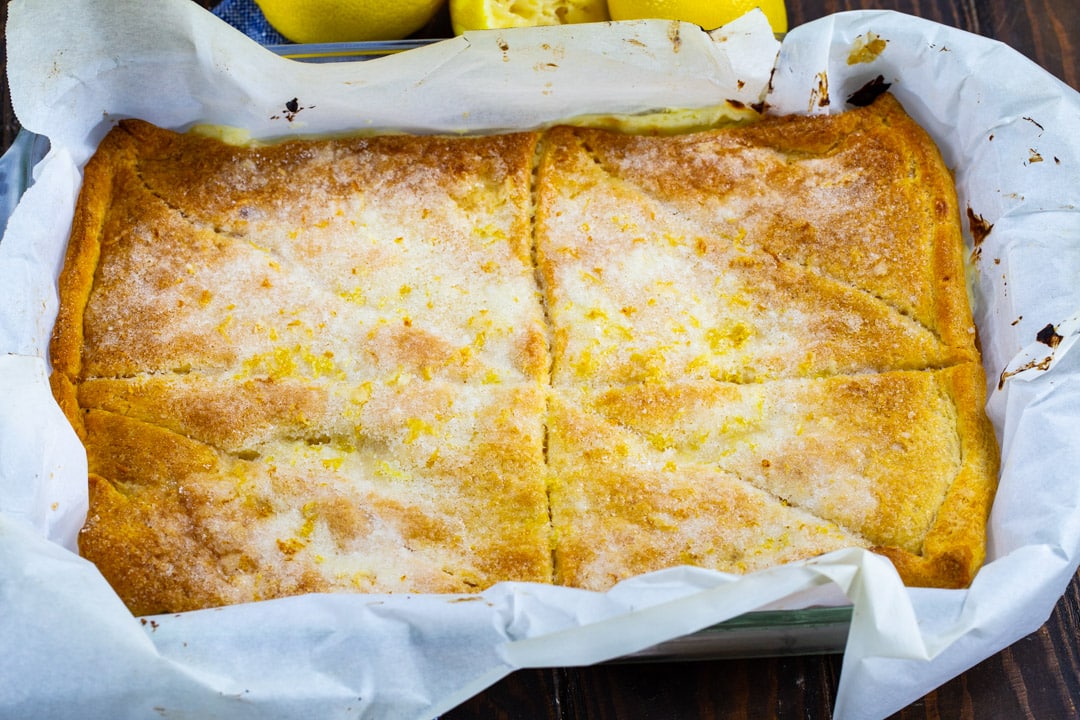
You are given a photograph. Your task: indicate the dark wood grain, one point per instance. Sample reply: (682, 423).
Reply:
(10, 125)
(756, 688)
(1036, 678)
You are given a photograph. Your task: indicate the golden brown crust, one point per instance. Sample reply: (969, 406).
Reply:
(623, 504)
(371, 364)
(954, 548)
(277, 393)
(81, 260)
(180, 524)
(844, 226)
(899, 461)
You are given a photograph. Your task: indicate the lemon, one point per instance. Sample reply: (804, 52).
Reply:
(709, 14)
(319, 21)
(495, 14)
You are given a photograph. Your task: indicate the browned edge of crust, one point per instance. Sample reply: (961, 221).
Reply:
(955, 546)
(952, 310)
(76, 282)
(80, 264)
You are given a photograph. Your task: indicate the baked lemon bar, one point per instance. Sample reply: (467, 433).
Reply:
(429, 364)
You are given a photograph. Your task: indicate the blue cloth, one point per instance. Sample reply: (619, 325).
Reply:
(245, 16)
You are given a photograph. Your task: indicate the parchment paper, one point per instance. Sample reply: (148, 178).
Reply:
(1008, 129)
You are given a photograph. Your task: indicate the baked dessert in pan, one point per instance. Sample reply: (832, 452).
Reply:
(430, 364)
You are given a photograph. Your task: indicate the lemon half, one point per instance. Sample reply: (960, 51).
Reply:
(323, 21)
(497, 14)
(709, 14)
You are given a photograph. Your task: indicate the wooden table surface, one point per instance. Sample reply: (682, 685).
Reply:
(1038, 677)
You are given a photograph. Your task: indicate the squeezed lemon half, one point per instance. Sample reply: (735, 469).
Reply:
(497, 14)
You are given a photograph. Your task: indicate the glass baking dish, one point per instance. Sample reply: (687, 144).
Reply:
(16, 171)
(774, 633)
(344, 52)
